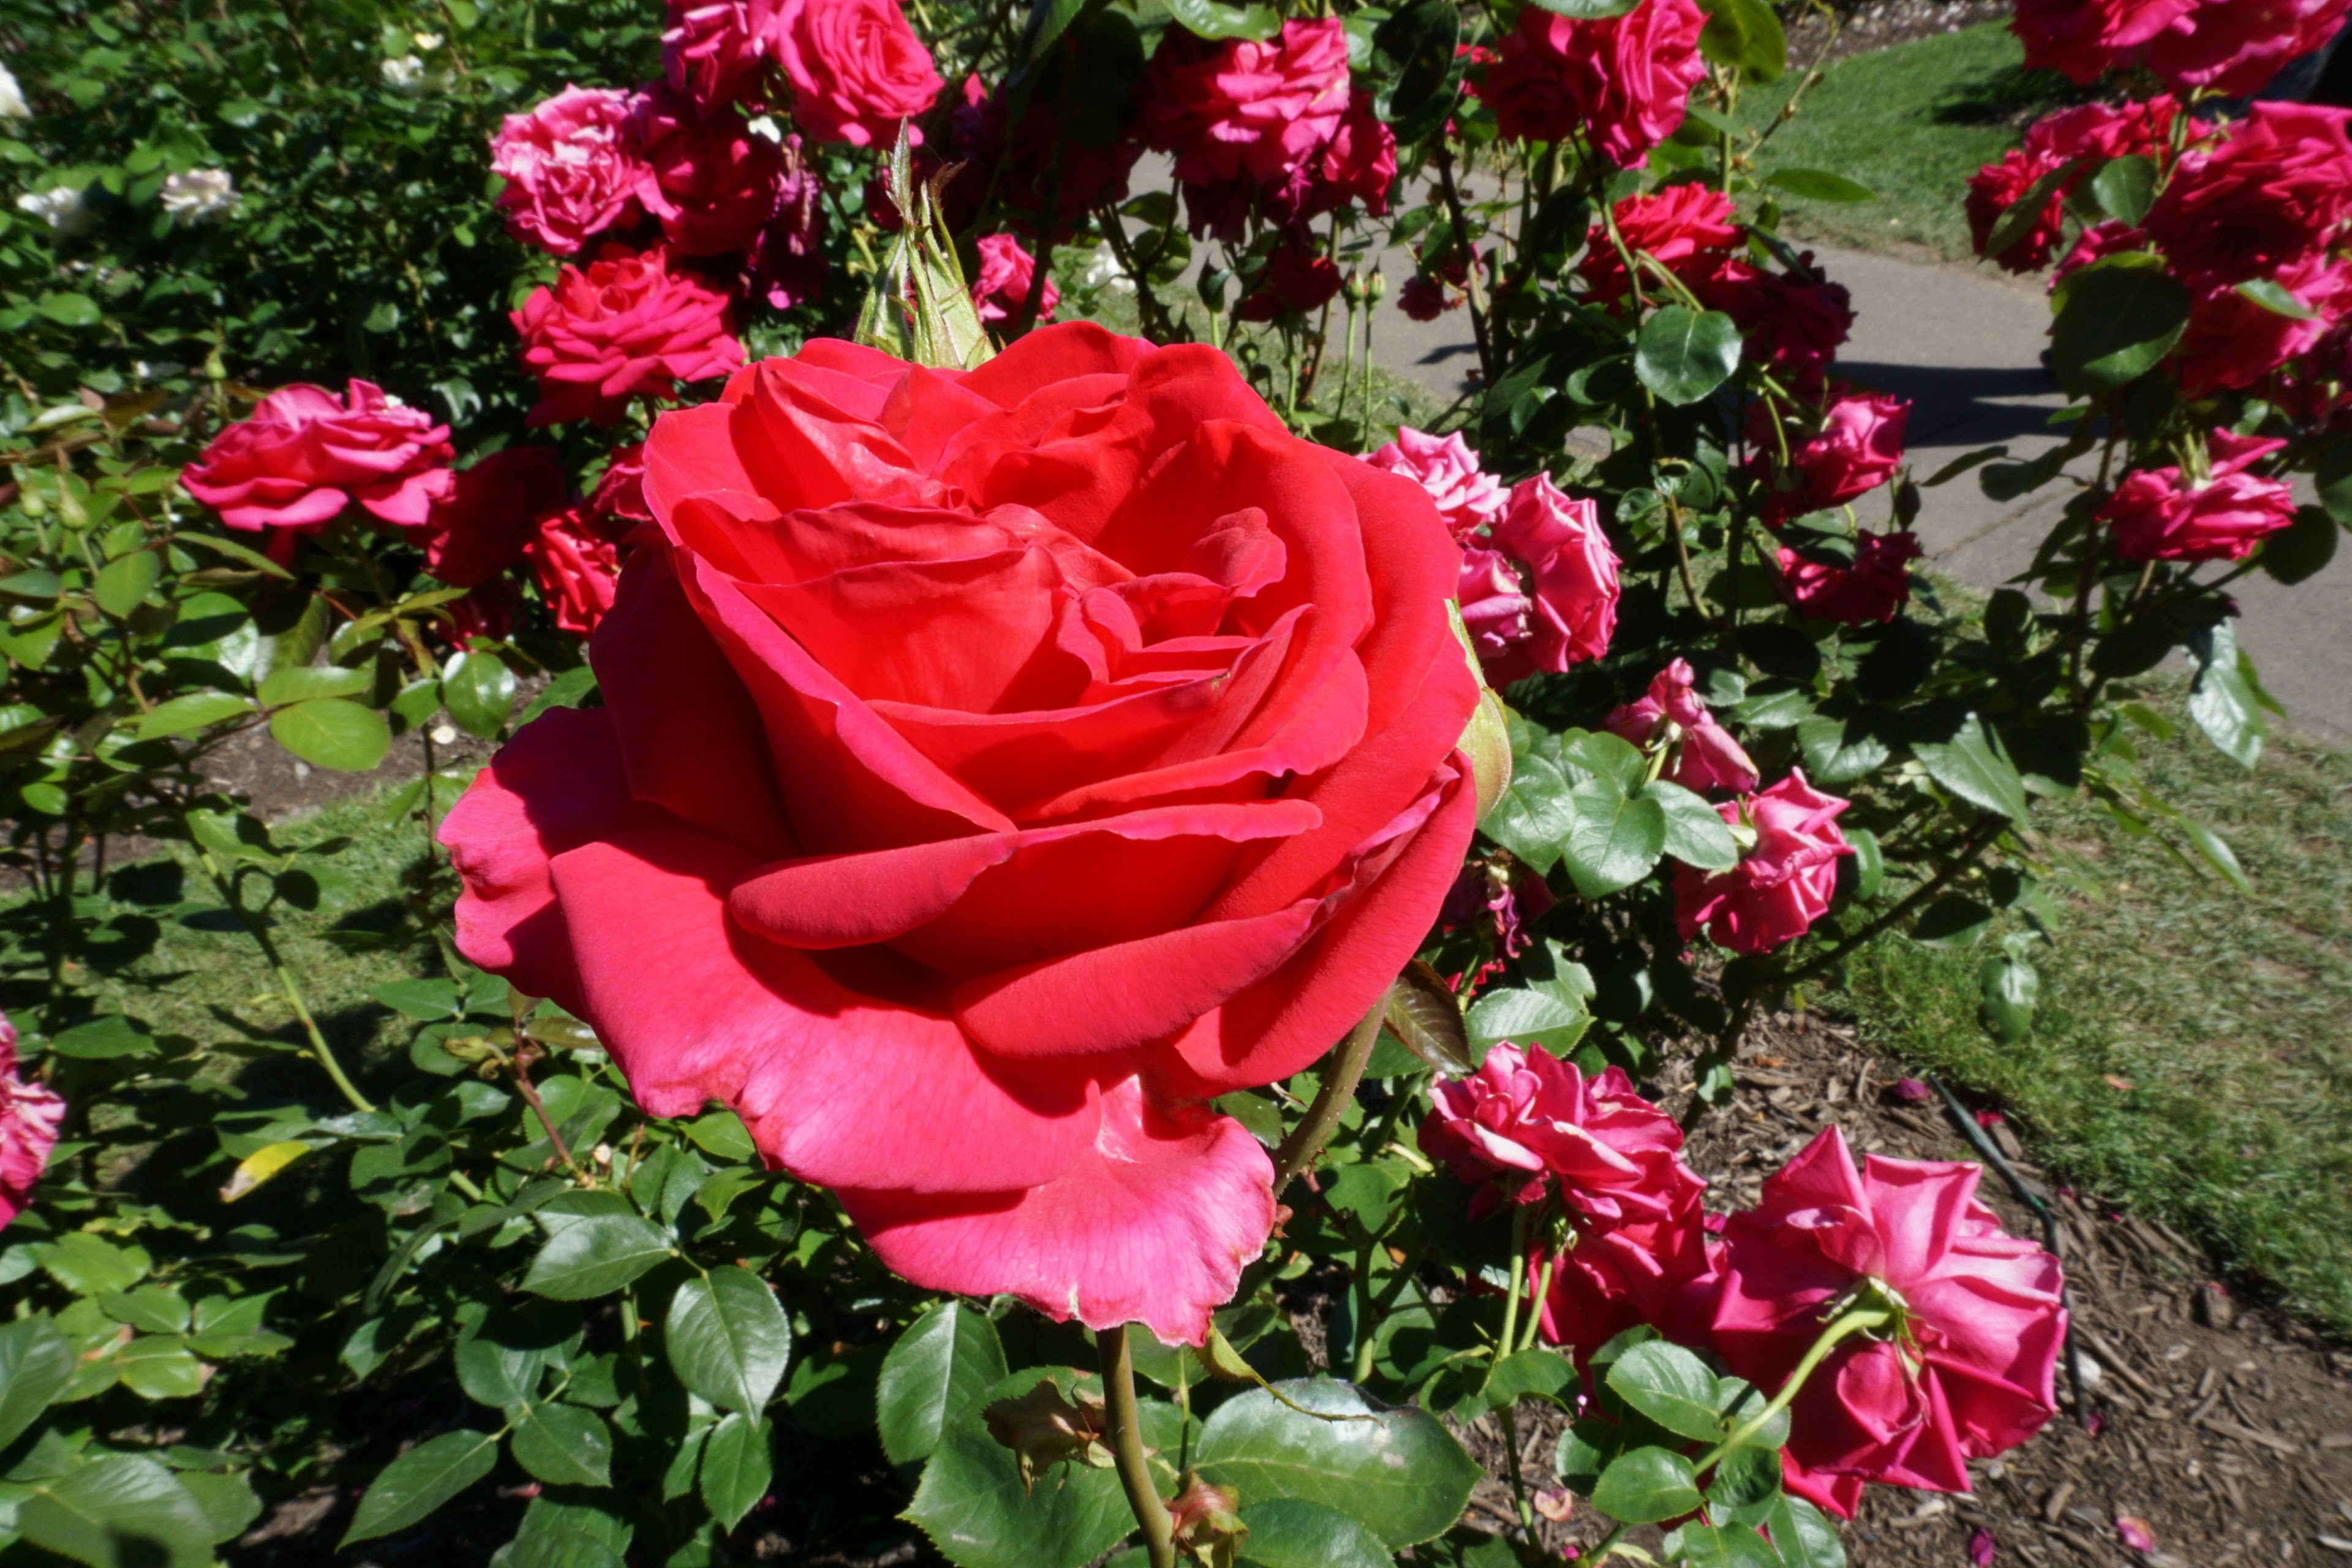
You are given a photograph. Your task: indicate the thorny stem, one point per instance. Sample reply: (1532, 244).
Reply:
(526, 1054)
(1331, 1098)
(286, 986)
(1127, 1446)
(1843, 1328)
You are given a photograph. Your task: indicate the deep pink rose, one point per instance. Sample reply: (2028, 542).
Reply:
(787, 264)
(1705, 757)
(2274, 192)
(1300, 278)
(715, 182)
(622, 327)
(1971, 1375)
(1467, 496)
(1265, 109)
(303, 457)
(617, 504)
(1783, 884)
(2104, 239)
(995, 766)
(1858, 448)
(578, 570)
(2083, 38)
(2160, 515)
(2235, 47)
(716, 51)
(1688, 227)
(1525, 1117)
(492, 515)
(856, 68)
(1006, 273)
(1496, 612)
(1829, 1492)
(1794, 323)
(1874, 588)
(1572, 577)
(1996, 188)
(1425, 299)
(570, 167)
(2102, 131)
(2233, 344)
(30, 1114)
(489, 611)
(1358, 164)
(1624, 82)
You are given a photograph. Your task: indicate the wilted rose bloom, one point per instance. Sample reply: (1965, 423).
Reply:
(2160, 515)
(995, 766)
(1972, 1374)
(1624, 82)
(200, 196)
(1242, 106)
(304, 455)
(579, 570)
(1687, 227)
(30, 1114)
(857, 68)
(714, 51)
(2235, 47)
(2275, 192)
(570, 167)
(492, 514)
(1705, 757)
(1006, 273)
(1467, 496)
(1857, 449)
(1783, 884)
(1299, 277)
(1525, 1116)
(787, 264)
(715, 184)
(1873, 589)
(623, 326)
(1572, 578)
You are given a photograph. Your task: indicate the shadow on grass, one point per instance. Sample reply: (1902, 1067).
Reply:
(2012, 96)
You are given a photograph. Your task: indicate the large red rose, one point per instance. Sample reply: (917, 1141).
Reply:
(858, 70)
(995, 766)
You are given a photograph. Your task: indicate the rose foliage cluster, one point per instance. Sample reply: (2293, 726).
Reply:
(1014, 862)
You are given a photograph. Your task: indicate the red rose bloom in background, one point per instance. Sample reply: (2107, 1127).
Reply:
(2235, 47)
(1018, 161)
(578, 569)
(482, 528)
(624, 325)
(1705, 757)
(571, 168)
(1795, 323)
(1572, 578)
(2274, 192)
(2157, 515)
(30, 1114)
(1874, 588)
(714, 183)
(996, 765)
(1996, 188)
(714, 51)
(1468, 497)
(1299, 278)
(1783, 884)
(617, 504)
(1006, 274)
(302, 458)
(1971, 1376)
(2083, 38)
(2232, 343)
(1358, 165)
(1622, 81)
(856, 68)
(1688, 227)
(1857, 449)
(1264, 109)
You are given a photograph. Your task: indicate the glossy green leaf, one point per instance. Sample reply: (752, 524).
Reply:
(1839, 751)
(2118, 320)
(1645, 1486)
(1551, 1013)
(1951, 922)
(1696, 833)
(1684, 354)
(1417, 68)
(89, 1266)
(595, 1244)
(112, 1036)
(1211, 19)
(333, 733)
(2125, 188)
(1745, 35)
(973, 1504)
(1532, 818)
(2008, 988)
(935, 1373)
(1727, 1546)
(563, 1445)
(1291, 1533)
(2303, 548)
(1400, 1473)
(721, 1133)
(229, 1503)
(1612, 840)
(155, 1366)
(478, 690)
(2223, 701)
(118, 1511)
(727, 1339)
(1820, 185)
(1671, 1386)
(124, 580)
(70, 310)
(1535, 1374)
(736, 1467)
(1802, 1536)
(191, 711)
(36, 1361)
(1972, 765)
(2272, 297)
(312, 680)
(408, 1489)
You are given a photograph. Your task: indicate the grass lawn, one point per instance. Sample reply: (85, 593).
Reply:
(1911, 122)
(2223, 1014)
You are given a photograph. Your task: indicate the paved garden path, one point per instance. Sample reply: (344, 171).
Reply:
(1965, 347)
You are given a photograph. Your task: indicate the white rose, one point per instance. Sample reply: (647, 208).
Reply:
(403, 74)
(12, 97)
(62, 207)
(200, 194)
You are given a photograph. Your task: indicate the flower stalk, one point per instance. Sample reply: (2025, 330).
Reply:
(1126, 1448)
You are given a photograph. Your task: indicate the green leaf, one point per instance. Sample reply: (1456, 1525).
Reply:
(410, 1488)
(1548, 1013)
(1696, 833)
(1951, 922)
(2120, 317)
(2008, 988)
(1838, 750)
(2273, 297)
(1820, 185)
(333, 733)
(1605, 756)
(1745, 35)
(727, 1339)
(1727, 1546)
(478, 690)
(1533, 817)
(557, 1549)
(36, 1361)
(592, 1247)
(1612, 841)
(124, 580)
(2019, 217)
(1416, 68)
(280, 687)
(934, 1374)
(2125, 188)
(497, 1375)
(1525, 1374)
(155, 1366)
(1209, 19)
(1671, 1386)
(2301, 549)
(1972, 765)
(721, 1133)
(2215, 853)
(87, 1266)
(229, 1501)
(569, 689)
(194, 711)
(1645, 1486)
(1291, 1533)
(1400, 1473)
(2333, 476)
(1802, 1536)
(563, 1445)
(112, 1036)
(119, 1512)
(70, 310)
(973, 1506)
(736, 1468)
(2221, 701)
(1684, 354)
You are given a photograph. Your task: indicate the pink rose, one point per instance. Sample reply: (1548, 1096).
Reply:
(2232, 342)
(1622, 81)
(1572, 578)
(1241, 107)
(617, 504)
(2275, 192)
(579, 570)
(1468, 497)
(1358, 164)
(1783, 884)
(1996, 188)
(492, 514)
(1006, 272)
(2085, 39)
(714, 51)
(2101, 130)
(1706, 756)
(1969, 1374)
(856, 68)
(30, 1114)
(624, 326)
(2104, 239)
(1857, 449)
(303, 457)
(571, 168)
(2235, 47)
(1793, 323)
(1496, 612)
(2159, 515)
(1688, 227)
(714, 184)
(1874, 588)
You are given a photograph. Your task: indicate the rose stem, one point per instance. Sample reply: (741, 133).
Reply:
(1852, 1322)
(1339, 1086)
(1505, 1413)
(1127, 1444)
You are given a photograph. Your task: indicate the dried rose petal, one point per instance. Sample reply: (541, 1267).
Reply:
(1911, 1090)
(1982, 1547)
(2135, 1532)
(1556, 1503)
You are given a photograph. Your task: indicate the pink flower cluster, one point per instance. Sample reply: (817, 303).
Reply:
(1538, 588)
(1967, 1372)
(2230, 47)
(1623, 82)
